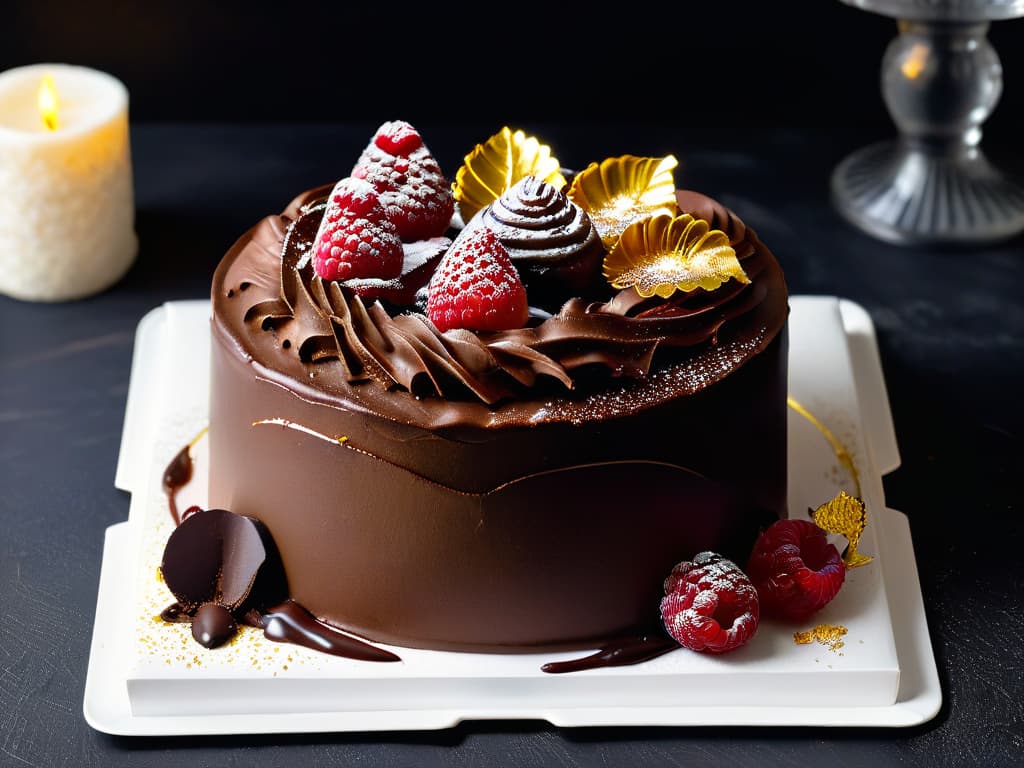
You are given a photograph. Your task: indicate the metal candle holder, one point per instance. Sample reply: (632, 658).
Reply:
(941, 79)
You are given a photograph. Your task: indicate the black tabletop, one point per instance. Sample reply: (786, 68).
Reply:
(950, 325)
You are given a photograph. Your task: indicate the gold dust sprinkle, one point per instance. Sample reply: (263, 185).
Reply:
(847, 516)
(829, 635)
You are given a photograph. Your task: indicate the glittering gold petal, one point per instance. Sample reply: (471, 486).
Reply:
(662, 254)
(619, 191)
(496, 165)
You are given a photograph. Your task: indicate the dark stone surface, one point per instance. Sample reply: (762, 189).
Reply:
(951, 333)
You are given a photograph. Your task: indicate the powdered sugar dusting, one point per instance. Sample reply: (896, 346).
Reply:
(709, 604)
(415, 194)
(476, 287)
(355, 238)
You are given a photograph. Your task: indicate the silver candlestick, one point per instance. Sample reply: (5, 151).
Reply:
(941, 79)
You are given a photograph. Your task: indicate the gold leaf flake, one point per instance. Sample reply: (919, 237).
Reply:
(622, 190)
(830, 635)
(663, 254)
(846, 515)
(496, 165)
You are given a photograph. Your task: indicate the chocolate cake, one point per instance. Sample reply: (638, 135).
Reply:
(511, 489)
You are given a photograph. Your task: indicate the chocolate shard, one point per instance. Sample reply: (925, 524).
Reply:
(215, 556)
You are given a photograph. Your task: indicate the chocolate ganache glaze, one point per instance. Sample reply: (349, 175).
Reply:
(499, 491)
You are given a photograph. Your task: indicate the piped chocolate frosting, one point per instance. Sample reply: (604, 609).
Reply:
(350, 342)
(539, 225)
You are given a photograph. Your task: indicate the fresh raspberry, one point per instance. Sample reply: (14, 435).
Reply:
(397, 137)
(356, 198)
(416, 196)
(709, 604)
(476, 286)
(795, 569)
(356, 239)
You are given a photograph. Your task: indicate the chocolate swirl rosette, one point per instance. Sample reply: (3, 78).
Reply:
(551, 240)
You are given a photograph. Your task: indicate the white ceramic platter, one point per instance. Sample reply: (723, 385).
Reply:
(147, 677)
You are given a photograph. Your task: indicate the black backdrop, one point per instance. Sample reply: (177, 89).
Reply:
(740, 64)
(950, 329)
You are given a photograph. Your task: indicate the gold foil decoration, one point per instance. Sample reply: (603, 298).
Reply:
(830, 635)
(622, 190)
(847, 516)
(843, 456)
(496, 165)
(663, 254)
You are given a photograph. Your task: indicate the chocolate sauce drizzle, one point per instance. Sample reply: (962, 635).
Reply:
(176, 477)
(621, 652)
(289, 622)
(286, 622)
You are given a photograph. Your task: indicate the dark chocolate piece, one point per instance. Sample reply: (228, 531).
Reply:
(213, 556)
(213, 625)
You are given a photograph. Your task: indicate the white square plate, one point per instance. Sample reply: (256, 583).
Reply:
(147, 677)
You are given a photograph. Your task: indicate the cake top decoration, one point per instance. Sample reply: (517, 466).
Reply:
(476, 286)
(619, 191)
(346, 302)
(663, 254)
(494, 166)
(356, 239)
(413, 190)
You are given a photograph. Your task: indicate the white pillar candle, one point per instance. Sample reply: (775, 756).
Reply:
(67, 208)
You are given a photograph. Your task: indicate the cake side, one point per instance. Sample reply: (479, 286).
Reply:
(567, 555)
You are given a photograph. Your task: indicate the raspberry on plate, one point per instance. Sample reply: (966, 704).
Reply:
(795, 569)
(710, 605)
(476, 286)
(355, 239)
(414, 192)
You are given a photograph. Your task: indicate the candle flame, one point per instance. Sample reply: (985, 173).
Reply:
(48, 103)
